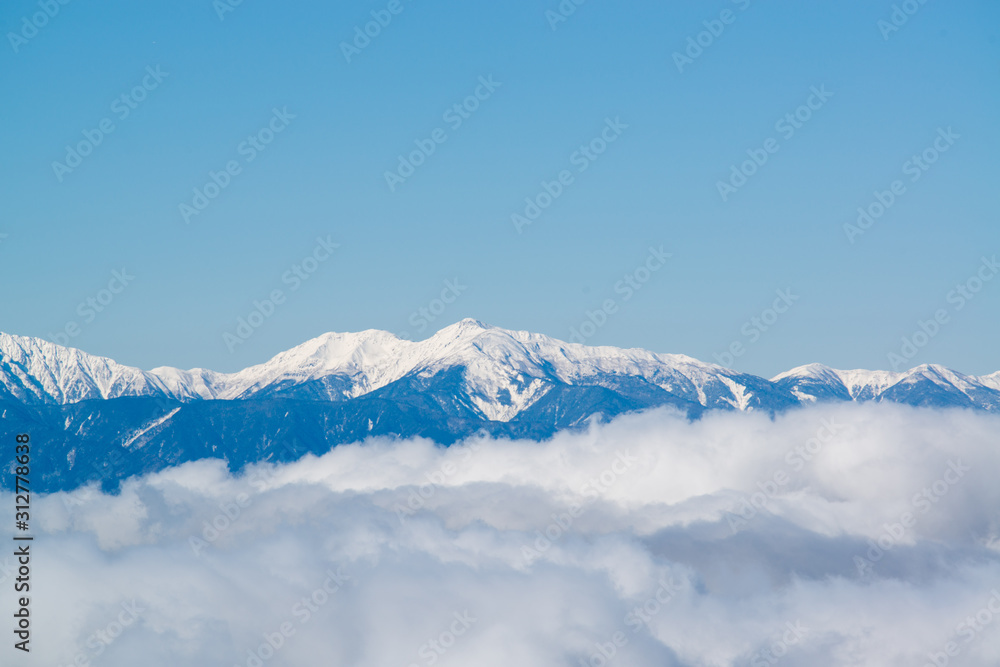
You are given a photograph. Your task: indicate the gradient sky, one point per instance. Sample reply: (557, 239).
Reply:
(656, 184)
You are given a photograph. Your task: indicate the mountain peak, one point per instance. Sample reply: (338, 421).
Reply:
(500, 374)
(813, 370)
(464, 327)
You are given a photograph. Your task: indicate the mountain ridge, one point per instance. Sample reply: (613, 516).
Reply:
(506, 372)
(103, 421)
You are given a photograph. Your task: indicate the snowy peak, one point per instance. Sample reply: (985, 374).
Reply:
(992, 381)
(816, 381)
(928, 384)
(497, 373)
(466, 328)
(364, 357)
(34, 370)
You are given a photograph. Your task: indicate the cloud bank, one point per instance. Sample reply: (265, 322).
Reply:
(831, 535)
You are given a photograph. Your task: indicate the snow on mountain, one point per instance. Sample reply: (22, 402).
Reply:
(342, 388)
(866, 385)
(503, 373)
(992, 381)
(34, 370)
(927, 384)
(195, 383)
(860, 385)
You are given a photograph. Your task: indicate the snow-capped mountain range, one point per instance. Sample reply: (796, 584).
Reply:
(341, 388)
(504, 372)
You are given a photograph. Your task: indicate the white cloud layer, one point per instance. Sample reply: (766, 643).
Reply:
(838, 535)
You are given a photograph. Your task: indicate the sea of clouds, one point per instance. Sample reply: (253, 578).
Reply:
(831, 535)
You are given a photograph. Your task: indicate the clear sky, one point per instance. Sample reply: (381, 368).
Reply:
(308, 129)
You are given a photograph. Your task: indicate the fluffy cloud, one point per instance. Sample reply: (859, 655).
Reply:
(833, 535)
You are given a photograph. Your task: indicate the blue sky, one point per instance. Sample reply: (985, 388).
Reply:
(554, 86)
